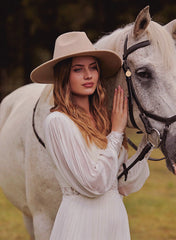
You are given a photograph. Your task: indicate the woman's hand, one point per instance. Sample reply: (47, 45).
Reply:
(119, 111)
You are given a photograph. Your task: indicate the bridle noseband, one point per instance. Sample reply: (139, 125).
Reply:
(144, 114)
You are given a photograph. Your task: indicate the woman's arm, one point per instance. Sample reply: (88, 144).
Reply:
(88, 170)
(77, 163)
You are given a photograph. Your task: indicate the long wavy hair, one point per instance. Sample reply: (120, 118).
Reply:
(98, 106)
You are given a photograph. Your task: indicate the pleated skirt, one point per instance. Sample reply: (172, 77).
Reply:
(100, 218)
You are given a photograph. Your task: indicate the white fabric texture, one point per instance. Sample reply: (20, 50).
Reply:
(92, 207)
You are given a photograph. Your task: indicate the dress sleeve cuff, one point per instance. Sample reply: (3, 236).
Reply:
(116, 139)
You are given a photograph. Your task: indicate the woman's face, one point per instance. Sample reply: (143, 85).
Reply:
(84, 75)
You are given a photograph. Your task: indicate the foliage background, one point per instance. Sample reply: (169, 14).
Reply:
(29, 29)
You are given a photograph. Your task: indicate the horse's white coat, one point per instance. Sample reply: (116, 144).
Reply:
(159, 58)
(26, 172)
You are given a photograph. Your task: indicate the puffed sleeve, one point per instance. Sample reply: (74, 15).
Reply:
(88, 173)
(137, 175)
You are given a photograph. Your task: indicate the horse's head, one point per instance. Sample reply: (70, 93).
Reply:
(152, 78)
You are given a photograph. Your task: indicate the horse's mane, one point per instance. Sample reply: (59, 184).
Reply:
(157, 34)
(163, 42)
(114, 39)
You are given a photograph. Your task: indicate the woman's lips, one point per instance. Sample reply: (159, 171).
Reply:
(88, 85)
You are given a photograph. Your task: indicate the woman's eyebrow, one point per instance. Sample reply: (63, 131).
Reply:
(78, 65)
(93, 63)
(82, 65)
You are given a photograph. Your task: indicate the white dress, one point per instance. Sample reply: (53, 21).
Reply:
(92, 206)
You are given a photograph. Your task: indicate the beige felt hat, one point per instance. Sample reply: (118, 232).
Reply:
(74, 44)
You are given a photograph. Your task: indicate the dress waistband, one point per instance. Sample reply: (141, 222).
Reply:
(67, 191)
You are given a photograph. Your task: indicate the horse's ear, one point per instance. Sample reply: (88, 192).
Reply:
(142, 21)
(171, 28)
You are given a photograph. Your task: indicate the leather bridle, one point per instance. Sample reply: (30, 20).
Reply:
(143, 114)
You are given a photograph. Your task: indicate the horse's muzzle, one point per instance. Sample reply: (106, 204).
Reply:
(169, 150)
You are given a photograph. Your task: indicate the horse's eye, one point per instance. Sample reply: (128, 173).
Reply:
(143, 73)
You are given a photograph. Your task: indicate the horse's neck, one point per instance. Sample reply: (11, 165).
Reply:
(46, 95)
(110, 85)
(45, 102)
(114, 41)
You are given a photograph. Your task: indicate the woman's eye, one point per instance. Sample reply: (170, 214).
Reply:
(77, 69)
(94, 68)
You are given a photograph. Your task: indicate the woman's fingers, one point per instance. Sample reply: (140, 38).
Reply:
(118, 101)
(118, 98)
(126, 105)
(119, 112)
(114, 100)
(121, 99)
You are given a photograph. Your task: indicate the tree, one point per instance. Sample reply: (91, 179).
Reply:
(30, 28)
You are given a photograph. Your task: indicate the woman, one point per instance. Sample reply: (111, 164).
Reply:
(86, 147)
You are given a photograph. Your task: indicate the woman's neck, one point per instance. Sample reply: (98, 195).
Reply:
(82, 102)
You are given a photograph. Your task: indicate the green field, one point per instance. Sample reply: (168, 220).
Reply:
(151, 211)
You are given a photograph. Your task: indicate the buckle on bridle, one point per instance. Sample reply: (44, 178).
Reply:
(158, 138)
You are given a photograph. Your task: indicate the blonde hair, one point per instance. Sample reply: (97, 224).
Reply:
(63, 103)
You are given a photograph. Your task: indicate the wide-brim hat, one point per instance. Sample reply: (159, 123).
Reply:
(73, 44)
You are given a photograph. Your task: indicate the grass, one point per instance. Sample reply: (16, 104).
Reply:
(151, 211)
(11, 221)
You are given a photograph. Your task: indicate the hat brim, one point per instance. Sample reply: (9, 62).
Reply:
(109, 62)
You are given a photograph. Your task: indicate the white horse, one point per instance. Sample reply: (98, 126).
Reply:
(26, 171)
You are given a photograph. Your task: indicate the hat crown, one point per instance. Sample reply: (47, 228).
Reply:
(72, 43)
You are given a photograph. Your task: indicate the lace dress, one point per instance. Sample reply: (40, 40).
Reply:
(92, 206)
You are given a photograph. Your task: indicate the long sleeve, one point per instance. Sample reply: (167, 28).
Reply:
(88, 170)
(137, 175)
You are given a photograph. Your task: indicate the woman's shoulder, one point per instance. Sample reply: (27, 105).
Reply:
(59, 118)
(58, 121)
(57, 115)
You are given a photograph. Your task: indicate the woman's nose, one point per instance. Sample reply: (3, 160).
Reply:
(87, 74)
